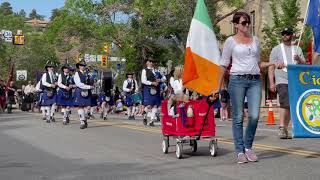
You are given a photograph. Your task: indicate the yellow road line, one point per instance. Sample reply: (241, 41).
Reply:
(304, 153)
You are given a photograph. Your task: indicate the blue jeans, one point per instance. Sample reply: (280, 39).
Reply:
(239, 88)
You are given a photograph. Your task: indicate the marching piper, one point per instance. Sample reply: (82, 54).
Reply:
(82, 93)
(130, 86)
(65, 99)
(151, 91)
(49, 96)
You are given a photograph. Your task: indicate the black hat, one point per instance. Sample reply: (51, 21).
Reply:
(129, 73)
(65, 66)
(82, 62)
(48, 64)
(287, 30)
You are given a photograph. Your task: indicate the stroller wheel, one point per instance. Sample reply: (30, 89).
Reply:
(165, 145)
(179, 150)
(213, 148)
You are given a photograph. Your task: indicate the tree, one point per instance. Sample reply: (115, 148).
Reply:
(285, 13)
(22, 13)
(35, 15)
(6, 9)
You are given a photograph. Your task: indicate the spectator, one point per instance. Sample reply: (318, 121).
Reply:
(224, 99)
(11, 92)
(29, 91)
(2, 96)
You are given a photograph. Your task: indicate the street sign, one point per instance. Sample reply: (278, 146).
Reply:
(87, 57)
(99, 58)
(7, 35)
(21, 75)
(93, 58)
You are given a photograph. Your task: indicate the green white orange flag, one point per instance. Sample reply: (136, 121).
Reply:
(202, 72)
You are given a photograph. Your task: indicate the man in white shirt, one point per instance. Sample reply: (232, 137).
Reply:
(29, 91)
(282, 55)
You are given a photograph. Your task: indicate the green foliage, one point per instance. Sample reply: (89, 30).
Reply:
(35, 15)
(285, 13)
(6, 9)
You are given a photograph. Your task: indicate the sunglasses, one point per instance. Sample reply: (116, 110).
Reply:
(245, 23)
(287, 34)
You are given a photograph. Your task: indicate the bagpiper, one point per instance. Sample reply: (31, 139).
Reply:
(65, 98)
(82, 93)
(49, 96)
(151, 91)
(130, 86)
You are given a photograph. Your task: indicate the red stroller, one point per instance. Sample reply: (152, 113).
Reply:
(188, 129)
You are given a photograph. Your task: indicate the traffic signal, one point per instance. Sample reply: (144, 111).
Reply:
(104, 61)
(106, 48)
(18, 40)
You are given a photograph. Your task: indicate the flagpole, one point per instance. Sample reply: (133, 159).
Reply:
(304, 22)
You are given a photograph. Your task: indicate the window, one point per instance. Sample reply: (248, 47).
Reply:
(253, 22)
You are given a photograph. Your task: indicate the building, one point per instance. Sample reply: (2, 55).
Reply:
(39, 25)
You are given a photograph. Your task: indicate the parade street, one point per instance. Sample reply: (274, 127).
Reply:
(122, 149)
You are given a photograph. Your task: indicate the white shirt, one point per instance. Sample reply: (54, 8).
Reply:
(125, 84)
(177, 86)
(38, 87)
(44, 79)
(245, 57)
(78, 82)
(29, 89)
(144, 77)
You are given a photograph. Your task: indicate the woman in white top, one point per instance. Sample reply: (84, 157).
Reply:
(244, 81)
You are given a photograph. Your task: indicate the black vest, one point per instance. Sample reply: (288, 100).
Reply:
(84, 78)
(150, 76)
(131, 84)
(48, 80)
(66, 80)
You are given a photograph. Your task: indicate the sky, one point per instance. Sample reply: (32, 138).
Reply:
(43, 7)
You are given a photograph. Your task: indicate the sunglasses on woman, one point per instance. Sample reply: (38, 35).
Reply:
(245, 23)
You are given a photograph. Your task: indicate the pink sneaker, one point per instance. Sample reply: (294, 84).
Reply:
(251, 156)
(242, 158)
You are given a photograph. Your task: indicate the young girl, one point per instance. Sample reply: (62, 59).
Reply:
(177, 94)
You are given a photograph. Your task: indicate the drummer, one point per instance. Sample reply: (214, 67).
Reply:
(65, 99)
(49, 84)
(83, 92)
(130, 86)
(151, 91)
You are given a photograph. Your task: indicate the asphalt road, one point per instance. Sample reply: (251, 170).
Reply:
(122, 149)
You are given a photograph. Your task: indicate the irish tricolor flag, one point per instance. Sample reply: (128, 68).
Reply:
(202, 72)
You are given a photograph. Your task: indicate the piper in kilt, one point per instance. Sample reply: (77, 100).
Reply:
(65, 98)
(83, 93)
(130, 86)
(49, 96)
(151, 91)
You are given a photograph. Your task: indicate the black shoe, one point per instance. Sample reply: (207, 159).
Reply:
(151, 124)
(64, 123)
(67, 120)
(133, 118)
(105, 118)
(82, 126)
(52, 119)
(44, 118)
(130, 117)
(145, 122)
(48, 121)
(86, 124)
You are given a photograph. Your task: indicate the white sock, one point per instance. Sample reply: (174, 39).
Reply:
(43, 110)
(53, 109)
(48, 112)
(91, 110)
(129, 111)
(81, 115)
(133, 111)
(153, 114)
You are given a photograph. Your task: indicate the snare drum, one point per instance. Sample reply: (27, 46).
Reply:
(137, 97)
